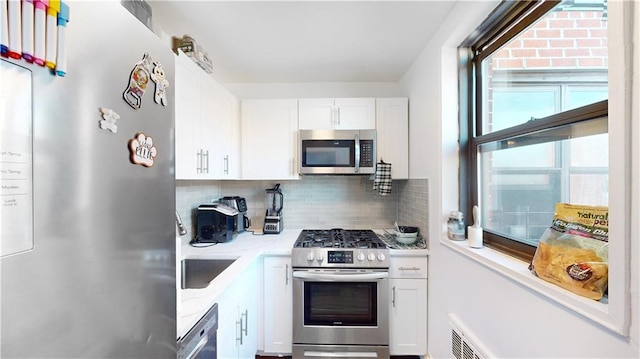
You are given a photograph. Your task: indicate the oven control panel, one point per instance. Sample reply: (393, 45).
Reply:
(340, 257)
(357, 258)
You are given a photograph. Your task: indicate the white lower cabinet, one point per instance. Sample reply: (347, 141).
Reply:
(227, 337)
(237, 335)
(278, 305)
(408, 306)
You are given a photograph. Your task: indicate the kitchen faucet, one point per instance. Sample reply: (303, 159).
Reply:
(181, 230)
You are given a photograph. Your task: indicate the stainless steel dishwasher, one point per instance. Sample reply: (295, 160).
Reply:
(200, 341)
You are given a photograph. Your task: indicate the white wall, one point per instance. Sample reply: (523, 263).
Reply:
(312, 89)
(507, 319)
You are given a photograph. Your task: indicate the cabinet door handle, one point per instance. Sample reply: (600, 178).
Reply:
(393, 297)
(334, 116)
(245, 328)
(206, 170)
(338, 116)
(286, 275)
(226, 164)
(331, 119)
(410, 268)
(239, 332)
(199, 161)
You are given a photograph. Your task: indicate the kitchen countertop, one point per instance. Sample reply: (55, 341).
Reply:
(246, 248)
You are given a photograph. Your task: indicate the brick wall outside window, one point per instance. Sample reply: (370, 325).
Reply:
(561, 40)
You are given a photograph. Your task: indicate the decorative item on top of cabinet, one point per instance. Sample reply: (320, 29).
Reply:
(392, 127)
(339, 114)
(206, 124)
(408, 305)
(269, 139)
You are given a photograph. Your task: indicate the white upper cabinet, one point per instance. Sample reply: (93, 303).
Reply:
(220, 109)
(206, 125)
(187, 121)
(269, 139)
(392, 134)
(339, 114)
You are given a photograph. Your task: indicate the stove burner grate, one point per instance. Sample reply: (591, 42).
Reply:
(339, 238)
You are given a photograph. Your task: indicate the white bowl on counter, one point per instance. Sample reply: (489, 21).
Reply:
(406, 238)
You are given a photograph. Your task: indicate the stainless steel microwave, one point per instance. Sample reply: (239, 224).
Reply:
(337, 151)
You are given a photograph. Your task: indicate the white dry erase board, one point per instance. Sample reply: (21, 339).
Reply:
(16, 169)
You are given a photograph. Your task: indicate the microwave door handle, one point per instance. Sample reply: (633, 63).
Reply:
(357, 154)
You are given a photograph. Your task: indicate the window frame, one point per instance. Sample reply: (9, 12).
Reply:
(507, 21)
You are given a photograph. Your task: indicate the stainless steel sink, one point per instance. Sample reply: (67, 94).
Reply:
(198, 273)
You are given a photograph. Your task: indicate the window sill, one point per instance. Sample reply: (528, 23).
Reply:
(517, 270)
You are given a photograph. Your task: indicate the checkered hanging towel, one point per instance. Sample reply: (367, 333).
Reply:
(382, 181)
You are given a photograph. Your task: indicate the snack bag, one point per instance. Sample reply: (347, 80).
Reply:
(574, 252)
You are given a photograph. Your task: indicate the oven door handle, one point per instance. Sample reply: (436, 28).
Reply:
(347, 277)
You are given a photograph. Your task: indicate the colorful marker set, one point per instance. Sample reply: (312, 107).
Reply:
(35, 30)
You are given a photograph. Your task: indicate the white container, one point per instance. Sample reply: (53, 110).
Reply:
(475, 236)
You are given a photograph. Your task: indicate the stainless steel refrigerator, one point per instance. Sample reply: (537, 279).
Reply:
(94, 274)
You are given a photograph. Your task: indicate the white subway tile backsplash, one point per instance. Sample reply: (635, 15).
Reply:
(316, 201)
(413, 204)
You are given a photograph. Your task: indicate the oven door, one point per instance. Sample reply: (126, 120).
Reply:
(341, 306)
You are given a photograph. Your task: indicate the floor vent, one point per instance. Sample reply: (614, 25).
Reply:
(461, 345)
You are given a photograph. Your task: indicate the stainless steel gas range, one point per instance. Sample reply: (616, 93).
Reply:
(340, 294)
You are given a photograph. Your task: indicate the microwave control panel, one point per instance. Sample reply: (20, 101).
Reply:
(366, 153)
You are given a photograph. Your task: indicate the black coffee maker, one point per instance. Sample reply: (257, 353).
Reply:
(242, 222)
(215, 223)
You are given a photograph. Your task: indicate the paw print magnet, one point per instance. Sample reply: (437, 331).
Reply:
(138, 81)
(142, 150)
(161, 82)
(109, 118)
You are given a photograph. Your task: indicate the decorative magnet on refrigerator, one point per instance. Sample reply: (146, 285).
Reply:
(142, 150)
(138, 82)
(109, 119)
(161, 82)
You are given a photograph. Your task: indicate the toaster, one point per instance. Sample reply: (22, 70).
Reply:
(215, 223)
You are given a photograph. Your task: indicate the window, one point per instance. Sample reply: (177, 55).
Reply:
(535, 129)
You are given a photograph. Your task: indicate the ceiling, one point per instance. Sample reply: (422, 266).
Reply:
(305, 41)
